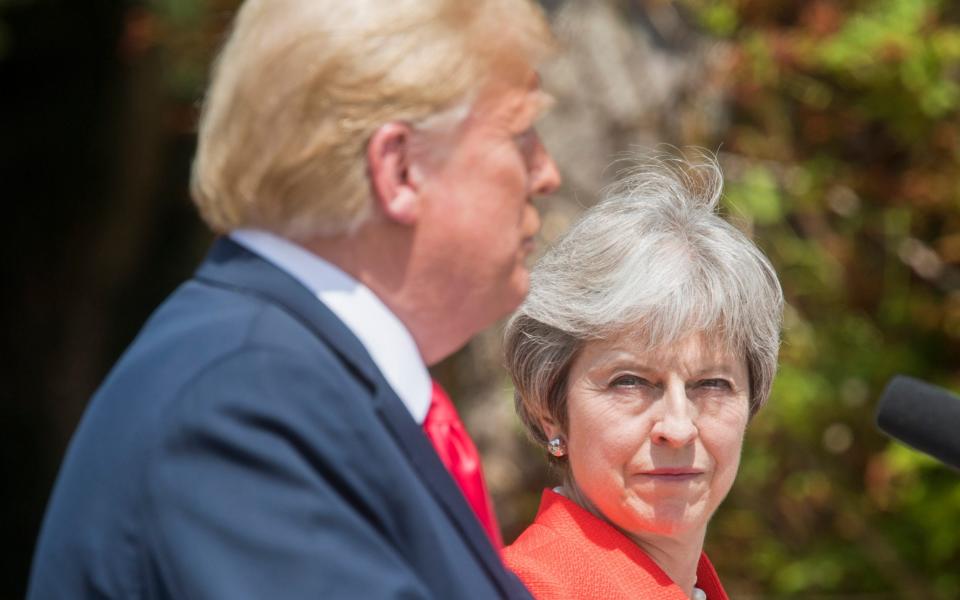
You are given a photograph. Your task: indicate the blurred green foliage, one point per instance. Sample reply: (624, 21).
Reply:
(190, 32)
(843, 156)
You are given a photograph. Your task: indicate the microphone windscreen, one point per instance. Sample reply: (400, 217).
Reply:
(923, 416)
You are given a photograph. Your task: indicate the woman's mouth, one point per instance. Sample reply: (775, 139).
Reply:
(680, 474)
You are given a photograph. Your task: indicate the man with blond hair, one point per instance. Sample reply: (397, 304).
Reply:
(370, 167)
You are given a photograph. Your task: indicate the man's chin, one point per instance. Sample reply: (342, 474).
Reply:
(528, 247)
(510, 297)
(520, 286)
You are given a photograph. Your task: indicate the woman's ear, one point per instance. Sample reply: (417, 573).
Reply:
(550, 427)
(394, 187)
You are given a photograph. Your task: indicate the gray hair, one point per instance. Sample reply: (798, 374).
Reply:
(654, 255)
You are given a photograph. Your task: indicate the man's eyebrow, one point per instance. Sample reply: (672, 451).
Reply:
(544, 102)
(540, 104)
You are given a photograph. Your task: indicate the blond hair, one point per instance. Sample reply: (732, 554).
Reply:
(300, 86)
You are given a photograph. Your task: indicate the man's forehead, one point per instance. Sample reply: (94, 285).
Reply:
(519, 100)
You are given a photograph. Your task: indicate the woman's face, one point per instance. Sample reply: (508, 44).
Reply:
(654, 437)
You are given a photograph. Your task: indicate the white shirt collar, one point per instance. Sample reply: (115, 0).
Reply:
(384, 336)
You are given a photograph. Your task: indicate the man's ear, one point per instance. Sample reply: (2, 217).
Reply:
(389, 163)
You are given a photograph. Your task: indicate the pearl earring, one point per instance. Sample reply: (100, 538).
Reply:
(556, 447)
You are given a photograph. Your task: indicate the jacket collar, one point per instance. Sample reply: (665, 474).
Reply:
(383, 335)
(585, 532)
(231, 266)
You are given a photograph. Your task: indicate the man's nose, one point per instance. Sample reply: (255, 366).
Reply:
(545, 177)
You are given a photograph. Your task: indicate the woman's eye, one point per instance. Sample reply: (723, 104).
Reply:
(716, 384)
(628, 381)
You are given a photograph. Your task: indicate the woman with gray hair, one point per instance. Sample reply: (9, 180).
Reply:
(647, 342)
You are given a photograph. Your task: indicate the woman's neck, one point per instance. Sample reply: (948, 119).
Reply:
(677, 555)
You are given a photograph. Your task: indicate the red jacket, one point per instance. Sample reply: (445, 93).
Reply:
(567, 553)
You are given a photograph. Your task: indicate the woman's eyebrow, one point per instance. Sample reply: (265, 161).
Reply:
(719, 369)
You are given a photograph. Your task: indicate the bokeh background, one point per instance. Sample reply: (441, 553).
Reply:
(837, 123)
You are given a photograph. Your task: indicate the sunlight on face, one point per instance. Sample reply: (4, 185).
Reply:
(654, 437)
(478, 219)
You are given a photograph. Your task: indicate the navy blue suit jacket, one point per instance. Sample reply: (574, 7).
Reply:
(246, 446)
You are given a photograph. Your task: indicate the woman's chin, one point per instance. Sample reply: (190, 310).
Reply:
(670, 518)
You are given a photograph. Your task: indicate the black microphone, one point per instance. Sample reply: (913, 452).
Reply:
(923, 416)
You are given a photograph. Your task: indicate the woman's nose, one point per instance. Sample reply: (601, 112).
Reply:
(675, 426)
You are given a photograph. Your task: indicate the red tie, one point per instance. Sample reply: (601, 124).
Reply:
(457, 452)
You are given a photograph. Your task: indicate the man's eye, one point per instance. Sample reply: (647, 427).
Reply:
(526, 140)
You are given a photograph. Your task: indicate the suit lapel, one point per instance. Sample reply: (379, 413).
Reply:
(424, 458)
(231, 266)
